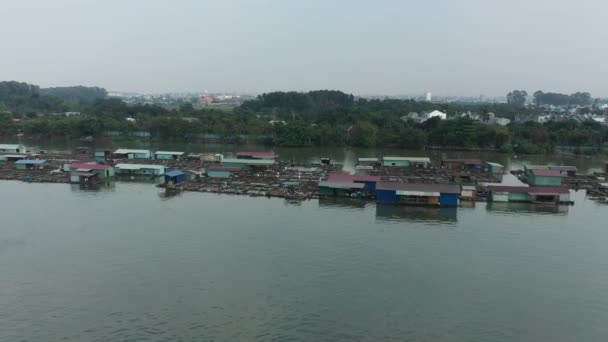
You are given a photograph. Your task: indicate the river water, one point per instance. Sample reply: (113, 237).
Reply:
(128, 264)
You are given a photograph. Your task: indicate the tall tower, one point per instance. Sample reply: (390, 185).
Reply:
(429, 96)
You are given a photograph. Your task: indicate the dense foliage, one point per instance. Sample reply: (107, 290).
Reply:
(317, 118)
(78, 95)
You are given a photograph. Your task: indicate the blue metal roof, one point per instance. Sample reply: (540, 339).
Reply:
(31, 161)
(174, 173)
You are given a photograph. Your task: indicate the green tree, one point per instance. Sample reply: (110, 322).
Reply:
(517, 97)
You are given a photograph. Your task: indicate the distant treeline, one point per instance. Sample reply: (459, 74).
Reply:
(316, 118)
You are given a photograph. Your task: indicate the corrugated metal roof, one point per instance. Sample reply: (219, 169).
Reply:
(10, 146)
(412, 159)
(345, 177)
(418, 193)
(139, 166)
(562, 168)
(169, 153)
(249, 161)
(128, 151)
(22, 155)
(546, 173)
(536, 167)
(494, 164)
(174, 173)
(89, 166)
(369, 159)
(342, 185)
(443, 188)
(527, 189)
(31, 161)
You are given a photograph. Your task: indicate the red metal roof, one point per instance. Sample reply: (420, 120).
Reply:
(255, 154)
(89, 166)
(547, 173)
(347, 177)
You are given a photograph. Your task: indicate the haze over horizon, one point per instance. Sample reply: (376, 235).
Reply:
(468, 47)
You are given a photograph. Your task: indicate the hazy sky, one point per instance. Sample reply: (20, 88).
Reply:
(449, 47)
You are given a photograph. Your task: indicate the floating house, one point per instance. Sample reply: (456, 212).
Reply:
(15, 157)
(220, 171)
(246, 164)
(529, 168)
(103, 155)
(495, 168)
(565, 170)
(256, 155)
(82, 176)
(369, 162)
(462, 164)
(442, 195)
(545, 178)
(303, 169)
(370, 182)
(406, 161)
(175, 177)
(209, 157)
(468, 192)
(12, 148)
(24, 164)
(102, 171)
(363, 169)
(132, 154)
(164, 155)
(139, 169)
(341, 189)
(501, 193)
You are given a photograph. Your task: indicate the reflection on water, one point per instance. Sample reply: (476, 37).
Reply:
(529, 208)
(388, 212)
(342, 203)
(93, 187)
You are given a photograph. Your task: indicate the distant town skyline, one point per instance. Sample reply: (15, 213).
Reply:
(447, 48)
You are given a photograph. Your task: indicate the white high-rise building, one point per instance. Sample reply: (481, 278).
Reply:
(429, 96)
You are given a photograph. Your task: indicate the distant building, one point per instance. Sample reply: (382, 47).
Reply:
(12, 148)
(207, 99)
(24, 164)
(68, 114)
(437, 114)
(406, 161)
(420, 118)
(132, 154)
(162, 155)
(429, 96)
(274, 122)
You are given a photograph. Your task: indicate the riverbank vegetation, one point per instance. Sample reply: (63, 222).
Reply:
(316, 118)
